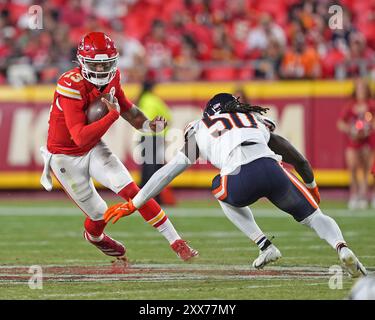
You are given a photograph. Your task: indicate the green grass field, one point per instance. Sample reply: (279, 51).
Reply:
(49, 234)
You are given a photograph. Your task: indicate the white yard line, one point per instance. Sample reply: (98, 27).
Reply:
(185, 267)
(168, 272)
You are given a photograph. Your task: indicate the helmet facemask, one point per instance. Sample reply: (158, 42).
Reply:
(100, 70)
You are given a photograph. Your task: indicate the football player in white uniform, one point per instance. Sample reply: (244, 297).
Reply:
(237, 139)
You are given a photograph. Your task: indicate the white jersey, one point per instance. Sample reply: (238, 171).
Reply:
(219, 139)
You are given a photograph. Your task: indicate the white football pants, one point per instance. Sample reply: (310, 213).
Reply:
(75, 174)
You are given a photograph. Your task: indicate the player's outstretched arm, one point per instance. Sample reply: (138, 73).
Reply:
(160, 179)
(291, 155)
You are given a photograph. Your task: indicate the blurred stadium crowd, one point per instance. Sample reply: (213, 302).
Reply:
(186, 40)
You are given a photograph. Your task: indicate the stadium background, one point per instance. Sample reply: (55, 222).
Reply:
(193, 49)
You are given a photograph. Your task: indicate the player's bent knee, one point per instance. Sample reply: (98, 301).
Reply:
(118, 183)
(96, 216)
(117, 174)
(307, 221)
(95, 209)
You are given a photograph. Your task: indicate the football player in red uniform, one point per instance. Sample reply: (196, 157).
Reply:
(75, 152)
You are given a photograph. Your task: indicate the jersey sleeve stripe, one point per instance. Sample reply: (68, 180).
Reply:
(69, 94)
(68, 89)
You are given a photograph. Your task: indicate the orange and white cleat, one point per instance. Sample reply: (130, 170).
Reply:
(183, 250)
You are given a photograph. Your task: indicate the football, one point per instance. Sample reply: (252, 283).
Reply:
(97, 109)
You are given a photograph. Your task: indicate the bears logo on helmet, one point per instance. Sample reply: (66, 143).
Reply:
(216, 104)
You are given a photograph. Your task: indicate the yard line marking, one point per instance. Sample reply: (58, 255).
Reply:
(178, 212)
(174, 266)
(280, 285)
(61, 273)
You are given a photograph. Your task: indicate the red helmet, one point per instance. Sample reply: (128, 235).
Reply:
(98, 57)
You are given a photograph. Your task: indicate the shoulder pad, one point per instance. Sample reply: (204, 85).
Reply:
(269, 123)
(70, 84)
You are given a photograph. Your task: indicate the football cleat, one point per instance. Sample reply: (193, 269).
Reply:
(183, 251)
(271, 254)
(108, 246)
(351, 263)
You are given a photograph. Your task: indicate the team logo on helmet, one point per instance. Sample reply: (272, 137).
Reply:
(216, 104)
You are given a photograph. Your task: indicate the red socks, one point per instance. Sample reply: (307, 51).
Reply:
(151, 211)
(94, 228)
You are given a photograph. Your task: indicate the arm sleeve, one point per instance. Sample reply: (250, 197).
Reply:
(84, 134)
(161, 179)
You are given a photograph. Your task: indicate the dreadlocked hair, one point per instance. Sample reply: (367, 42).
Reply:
(237, 106)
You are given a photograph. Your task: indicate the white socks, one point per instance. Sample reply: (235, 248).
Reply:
(326, 228)
(168, 231)
(243, 219)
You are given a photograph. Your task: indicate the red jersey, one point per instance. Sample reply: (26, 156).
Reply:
(68, 131)
(350, 117)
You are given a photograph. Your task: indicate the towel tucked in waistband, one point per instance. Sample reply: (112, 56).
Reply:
(46, 179)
